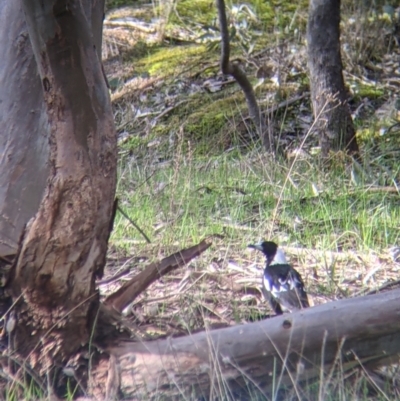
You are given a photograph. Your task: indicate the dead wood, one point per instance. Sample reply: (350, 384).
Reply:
(384, 287)
(139, 25)
(340, 335)
(128, 292)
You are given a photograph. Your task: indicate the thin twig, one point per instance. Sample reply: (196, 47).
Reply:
(372, 381)
(134, 225)
(385, 286)
(122, 271)
(169, 109)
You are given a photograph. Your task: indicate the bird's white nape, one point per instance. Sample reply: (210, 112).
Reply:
(279, 258)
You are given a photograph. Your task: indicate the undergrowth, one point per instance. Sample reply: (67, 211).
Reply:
(245, 197)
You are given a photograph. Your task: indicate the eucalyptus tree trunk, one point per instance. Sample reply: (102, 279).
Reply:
(24, 139)
(72, 137)
(24, 150)
(329, 97)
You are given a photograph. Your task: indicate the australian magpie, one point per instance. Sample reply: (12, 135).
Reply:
(282, 285)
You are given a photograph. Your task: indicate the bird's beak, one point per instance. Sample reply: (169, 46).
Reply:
(255, 246)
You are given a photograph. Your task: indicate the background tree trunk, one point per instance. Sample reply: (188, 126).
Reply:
(64, 246)
(328, 93)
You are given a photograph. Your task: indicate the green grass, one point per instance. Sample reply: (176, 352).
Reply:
(247, 197)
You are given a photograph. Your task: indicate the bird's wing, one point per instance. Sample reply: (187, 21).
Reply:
(297, 286)
(272, 301)
(288, 288)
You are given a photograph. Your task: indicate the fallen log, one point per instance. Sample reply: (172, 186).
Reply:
(282, 350)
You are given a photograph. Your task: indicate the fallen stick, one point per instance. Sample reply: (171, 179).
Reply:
(129, 291)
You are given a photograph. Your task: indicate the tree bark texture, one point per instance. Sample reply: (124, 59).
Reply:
(24, 150)
(338, 335)
(64, 246)
(329, 97)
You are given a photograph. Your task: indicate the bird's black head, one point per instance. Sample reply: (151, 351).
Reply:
(268, 248)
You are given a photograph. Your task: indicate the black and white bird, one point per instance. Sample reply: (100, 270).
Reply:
(282, 285)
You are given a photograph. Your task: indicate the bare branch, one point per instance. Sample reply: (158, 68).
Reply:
(128, 292)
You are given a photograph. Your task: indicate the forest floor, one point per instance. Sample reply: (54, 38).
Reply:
(191, 165)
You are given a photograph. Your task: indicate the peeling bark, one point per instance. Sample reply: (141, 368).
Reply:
(24, 149)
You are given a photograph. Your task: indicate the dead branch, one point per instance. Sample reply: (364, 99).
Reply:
(128, 292)
(284, 105)
(131, 23)
(384, 287)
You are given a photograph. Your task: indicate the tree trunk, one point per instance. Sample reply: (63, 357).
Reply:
(338, 335)
(24, 128)
(24, 139)
(64, 246)
(328, 93)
